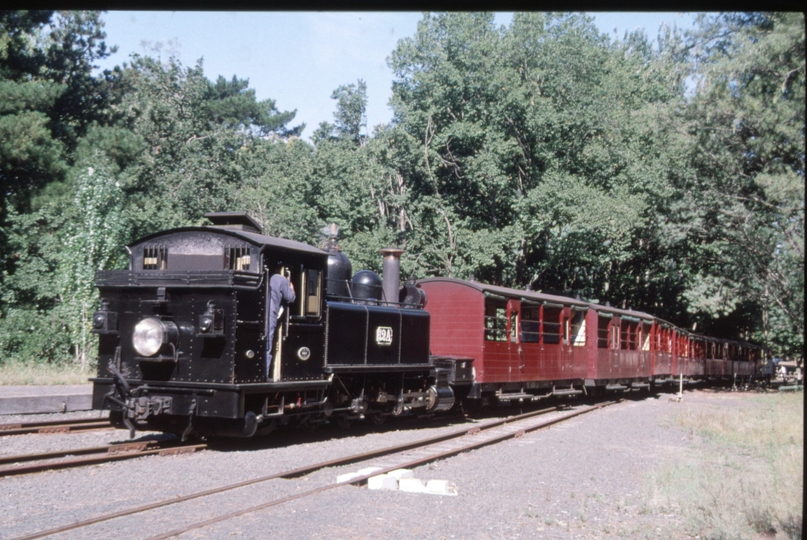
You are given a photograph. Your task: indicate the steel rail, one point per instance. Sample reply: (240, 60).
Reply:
(110, 453)
(112, 448)
(300, 471)
(44, 423)
(63, 426)
(362, 479)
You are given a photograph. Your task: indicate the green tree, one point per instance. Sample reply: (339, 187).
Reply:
(192, 133)
(175, 146)
(49, 96)
(92, 241)
(278, 189)
(746, 122)
(537, 162)
(350, 116)
(233, 104)
(351, 108)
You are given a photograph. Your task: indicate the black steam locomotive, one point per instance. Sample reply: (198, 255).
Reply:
(183, 337)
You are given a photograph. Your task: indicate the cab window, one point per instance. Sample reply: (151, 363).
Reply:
(313, 292)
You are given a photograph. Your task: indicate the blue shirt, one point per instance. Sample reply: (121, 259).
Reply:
(279, 293)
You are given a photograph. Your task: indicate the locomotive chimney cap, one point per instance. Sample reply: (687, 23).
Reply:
(234, 220)
(395, 252)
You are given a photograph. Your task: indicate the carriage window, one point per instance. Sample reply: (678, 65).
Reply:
(514, 327)
(630, 335)
(614, 336)
(495, 322)
(552, 330)
(155, 257)
(625, 337)
(579, 328)
(529, 325)
(645, 334)
(638, 337)
(603, 323)
(565, 326)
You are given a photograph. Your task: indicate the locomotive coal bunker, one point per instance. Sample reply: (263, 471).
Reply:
(182, 337)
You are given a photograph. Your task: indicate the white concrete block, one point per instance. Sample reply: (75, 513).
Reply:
(368, 470)
(401, 473)
(382, 481)
(411, 485)
(439, 487)
(347, 477)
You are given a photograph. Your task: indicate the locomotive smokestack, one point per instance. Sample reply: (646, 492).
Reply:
(391, 278)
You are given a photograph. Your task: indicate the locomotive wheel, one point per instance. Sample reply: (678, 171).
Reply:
(266, 428)
(377, 417)
(308, 424)
(344, 421)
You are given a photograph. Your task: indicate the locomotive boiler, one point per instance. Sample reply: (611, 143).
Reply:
(183, 336)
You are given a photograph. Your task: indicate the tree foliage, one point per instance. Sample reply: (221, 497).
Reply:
(747, 126)
(542, 154)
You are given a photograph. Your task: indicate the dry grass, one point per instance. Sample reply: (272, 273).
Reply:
(32, 374)
(746, 479)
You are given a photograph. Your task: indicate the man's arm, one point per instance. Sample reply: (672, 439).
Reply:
(288, 291)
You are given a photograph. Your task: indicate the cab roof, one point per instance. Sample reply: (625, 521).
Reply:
(256, 239)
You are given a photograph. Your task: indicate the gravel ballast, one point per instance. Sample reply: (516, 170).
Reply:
(580, 479)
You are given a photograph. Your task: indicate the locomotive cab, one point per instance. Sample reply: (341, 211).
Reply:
(188, 320)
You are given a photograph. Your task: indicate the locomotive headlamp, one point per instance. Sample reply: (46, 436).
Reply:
(151, 334)
(211, 322)
(205, 323)
(98, 320)
(104, 321)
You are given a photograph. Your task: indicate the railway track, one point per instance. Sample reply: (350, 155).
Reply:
(92, 456)
(407, 455)
(61, 426)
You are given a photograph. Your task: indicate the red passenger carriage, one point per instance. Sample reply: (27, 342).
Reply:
(529, 345)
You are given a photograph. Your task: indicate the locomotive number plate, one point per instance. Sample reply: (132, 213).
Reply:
(383, 335)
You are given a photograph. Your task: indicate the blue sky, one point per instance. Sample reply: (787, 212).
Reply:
(299, 58)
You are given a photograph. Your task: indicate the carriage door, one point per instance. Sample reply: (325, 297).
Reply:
(514, 346)
(566, 352)
(614, 346)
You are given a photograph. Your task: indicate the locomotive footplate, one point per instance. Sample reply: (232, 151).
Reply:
(155, 403)
(381, 368)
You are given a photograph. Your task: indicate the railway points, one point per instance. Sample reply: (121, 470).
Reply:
(410, 454)
(47, 461)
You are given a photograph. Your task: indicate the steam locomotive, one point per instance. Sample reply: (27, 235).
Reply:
(184, 335)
